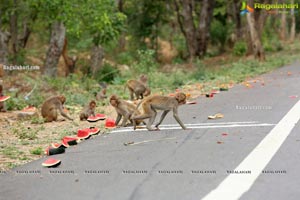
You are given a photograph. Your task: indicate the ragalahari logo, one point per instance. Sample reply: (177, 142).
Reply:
(246, 8)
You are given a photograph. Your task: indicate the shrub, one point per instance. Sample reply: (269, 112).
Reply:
(239, 48)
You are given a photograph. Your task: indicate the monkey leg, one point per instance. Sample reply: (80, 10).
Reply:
(151, 120)
(125, 119)
(175, 114)
(163, 115)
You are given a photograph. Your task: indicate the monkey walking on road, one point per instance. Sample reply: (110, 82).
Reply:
(124, 109)
(149, 106)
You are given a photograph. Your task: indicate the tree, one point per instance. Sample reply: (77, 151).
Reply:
(255, 35)
(293, 24)
(101, 20)
(196, 36)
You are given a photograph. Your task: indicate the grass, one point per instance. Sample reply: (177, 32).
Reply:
(11, 152)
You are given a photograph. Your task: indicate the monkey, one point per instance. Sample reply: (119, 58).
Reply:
(151, 104)
(124, 109)
(138, 87)
(101, 95)
(50, 107)
(2, 105)
(88, 110)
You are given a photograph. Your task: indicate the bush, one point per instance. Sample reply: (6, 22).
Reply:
(146, 62)
(239, 48)
(37, 151)
(106, 73)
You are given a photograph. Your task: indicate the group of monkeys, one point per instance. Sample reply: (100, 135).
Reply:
(135, 113)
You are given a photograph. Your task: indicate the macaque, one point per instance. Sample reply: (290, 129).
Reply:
(138, 87)
(50, 107)
(88, 110)
(124, 109)
(149, 106)
(101, 95)
(2, 105)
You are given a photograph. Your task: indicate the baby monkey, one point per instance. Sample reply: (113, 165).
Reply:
(50, 107)
(124, 109)
(88, 110)
(149, 106)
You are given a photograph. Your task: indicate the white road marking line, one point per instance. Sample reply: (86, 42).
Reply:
(235, 185)
(196, 127)
(200, 124)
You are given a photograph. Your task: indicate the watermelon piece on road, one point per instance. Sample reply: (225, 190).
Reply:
(69, 140)
(51, 162)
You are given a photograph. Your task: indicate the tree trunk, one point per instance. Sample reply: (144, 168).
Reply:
(58, 32)
(4, 39)
(293, 24)
(69, 62)
(204, 26)
(122, 39)
(14, 32)
(257, 47)
(283, 26)
(186, 23)
(238, 22)
(97, 58)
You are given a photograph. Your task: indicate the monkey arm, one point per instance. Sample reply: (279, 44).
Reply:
(63, 113)
(125, 119)
(175, 114)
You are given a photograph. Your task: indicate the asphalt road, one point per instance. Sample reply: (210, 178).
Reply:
(251, 153)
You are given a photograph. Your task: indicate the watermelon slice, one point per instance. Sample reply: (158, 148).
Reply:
(29, 109)
(59, 145)
(83, 134)
(96, 118)
(69, 140)
(51, 162)
(4, 98)
(93, 130)
(110, 123)
(52, 150)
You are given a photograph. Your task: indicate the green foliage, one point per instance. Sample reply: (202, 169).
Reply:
(106, 73)
(15, 103)
(37, 151)
(146, 62)
(219, 33)
(239, 48)
(11, 152)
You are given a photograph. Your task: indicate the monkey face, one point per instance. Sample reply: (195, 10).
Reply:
(62, 99)
(181, 98)
(114, 101)
(92, 104)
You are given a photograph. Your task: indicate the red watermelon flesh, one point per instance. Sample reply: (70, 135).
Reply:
(83, 134)
(110, 123)
(4, 98)
(51, 162)
(69, 140)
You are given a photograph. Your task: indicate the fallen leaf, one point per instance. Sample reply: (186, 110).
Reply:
(216, 116)
(219, 142)
(224, 134)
